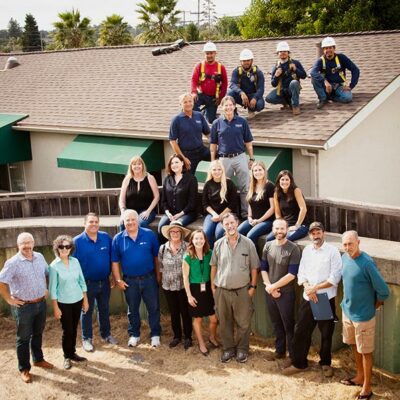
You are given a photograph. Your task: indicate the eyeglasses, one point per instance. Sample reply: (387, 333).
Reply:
(175, 231)
(67, 246)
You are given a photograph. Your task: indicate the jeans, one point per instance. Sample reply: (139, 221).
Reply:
(99, 292)
(212, 230)
(259, 105)
(281, 312)
(210, 108)
(338, 94)
(143, 287)
(30, 319)
(186, 219)
(69, 323)
(144, 223)
(299, 233)
(197, 155)
(292, 92)
(254, 232)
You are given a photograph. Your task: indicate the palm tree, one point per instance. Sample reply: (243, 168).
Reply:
(72, 32)
(114, 32)
(159, 19)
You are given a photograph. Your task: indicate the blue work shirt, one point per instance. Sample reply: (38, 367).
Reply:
(187, 131)
(230, 136)
(247, 83)
(94, 256)
(135, 256)
(286, 75)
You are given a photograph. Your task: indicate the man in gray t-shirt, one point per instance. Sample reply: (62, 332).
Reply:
(279, 266)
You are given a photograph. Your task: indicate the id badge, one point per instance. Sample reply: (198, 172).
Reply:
(202, 287)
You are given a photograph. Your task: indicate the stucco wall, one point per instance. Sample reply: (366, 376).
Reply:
(365, 165)
(42, 172)
(304, 173)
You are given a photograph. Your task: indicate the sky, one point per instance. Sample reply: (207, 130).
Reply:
(46, 11)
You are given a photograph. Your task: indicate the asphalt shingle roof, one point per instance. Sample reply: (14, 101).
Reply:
(128, 91)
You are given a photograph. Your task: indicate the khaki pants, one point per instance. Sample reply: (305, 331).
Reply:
(234, 309)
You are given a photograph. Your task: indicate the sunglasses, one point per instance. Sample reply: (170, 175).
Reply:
(67, 247)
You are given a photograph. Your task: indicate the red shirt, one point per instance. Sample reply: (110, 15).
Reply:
(208, 86)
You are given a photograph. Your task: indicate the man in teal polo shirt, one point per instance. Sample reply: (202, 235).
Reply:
(134, 252)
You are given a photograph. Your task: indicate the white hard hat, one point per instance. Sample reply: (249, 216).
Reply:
(246, 54)
(282, 46)
(209, 46)
(328, 42)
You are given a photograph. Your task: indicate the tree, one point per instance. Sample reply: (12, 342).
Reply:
(159, 19)
(227, 27)
(114, 32)
(72, 32)
(209, 14)
(31, 40)
(14, 29)
(191, 32)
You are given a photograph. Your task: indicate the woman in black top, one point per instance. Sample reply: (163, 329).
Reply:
(179, 194)
(139, 192)
(219, 198)
(261, 204)
(290, 205)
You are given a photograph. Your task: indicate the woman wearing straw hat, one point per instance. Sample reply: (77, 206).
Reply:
(170, 256)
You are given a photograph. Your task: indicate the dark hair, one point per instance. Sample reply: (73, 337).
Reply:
(191, 249)
(169, 171)
(230, 214)
(278, 190)
(58, 240)
(91, 214)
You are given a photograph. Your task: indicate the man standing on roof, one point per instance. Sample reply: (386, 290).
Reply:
(285, 77)
(247, 84)
(209, 83)
(364, 292)
(328, 75)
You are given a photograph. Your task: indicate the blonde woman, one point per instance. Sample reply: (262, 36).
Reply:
(219, 197)
(139, 192)
(261, 204)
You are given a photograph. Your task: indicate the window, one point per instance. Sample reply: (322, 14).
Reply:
(12, 177)
(106, 180)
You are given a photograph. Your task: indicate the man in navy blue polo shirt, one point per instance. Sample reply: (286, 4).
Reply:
(135, 251)
(230, 137)
(186, 134)
(93, 250)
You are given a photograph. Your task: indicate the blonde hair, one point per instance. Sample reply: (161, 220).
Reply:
(135, 160)
(253, 182)
(183, 96)
(224, 188)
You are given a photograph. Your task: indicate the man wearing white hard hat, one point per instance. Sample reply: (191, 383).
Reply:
(247, 84)
(209, 83)
(328, 75)
(285, 78)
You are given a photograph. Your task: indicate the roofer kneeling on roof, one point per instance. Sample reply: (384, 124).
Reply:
(285, 77)
(247, 84)
(209, 83)
(328, 75)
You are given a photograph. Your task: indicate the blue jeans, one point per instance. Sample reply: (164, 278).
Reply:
(144, 223)
(186, 219)
(299, 233)
(30, 319)
(212, 230)
(292, 92)
(99, 292)
(210, 108)
(254, 232)
(197, 155)
(143, 287)
(338, 94)
(259, 105)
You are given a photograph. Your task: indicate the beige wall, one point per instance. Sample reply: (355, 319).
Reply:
(304, 173)
(365, 166)
(42, 173)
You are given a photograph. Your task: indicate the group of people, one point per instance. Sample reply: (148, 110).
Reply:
(198, 282)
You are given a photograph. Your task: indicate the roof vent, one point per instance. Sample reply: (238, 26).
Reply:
(12, 62)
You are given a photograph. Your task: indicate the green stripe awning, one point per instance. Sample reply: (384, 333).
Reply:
(110, 154)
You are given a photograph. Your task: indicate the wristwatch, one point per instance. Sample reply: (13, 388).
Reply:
(252, 159)
(252, 286)
(119, 280)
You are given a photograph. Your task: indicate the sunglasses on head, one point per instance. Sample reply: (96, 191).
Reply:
(67, 246)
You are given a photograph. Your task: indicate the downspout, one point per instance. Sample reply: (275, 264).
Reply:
(314, 170)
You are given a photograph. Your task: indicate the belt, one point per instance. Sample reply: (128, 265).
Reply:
(232, 290)
(139, 277)
(34, 301)
(231, 155)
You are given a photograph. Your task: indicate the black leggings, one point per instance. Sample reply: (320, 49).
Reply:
(69, 322)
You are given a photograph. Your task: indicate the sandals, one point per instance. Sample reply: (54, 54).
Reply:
(349, 382)
(364, 396)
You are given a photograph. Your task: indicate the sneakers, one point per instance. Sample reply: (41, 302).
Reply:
(327, 370)
(67, 363)
(43, 364)
(87, 345)
(110, 340)
(155, 341)
(241, 356)
(250, 114)
(227, 356)
(133, 341)
(26, 376)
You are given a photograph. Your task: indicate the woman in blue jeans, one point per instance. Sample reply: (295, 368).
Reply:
(261, 204)
(290, 205)
(219, 197)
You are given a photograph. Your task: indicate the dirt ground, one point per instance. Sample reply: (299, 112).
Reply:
(164, 373)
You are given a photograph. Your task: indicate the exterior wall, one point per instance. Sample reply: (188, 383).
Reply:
(42, 172)
(364, 166)
(304, 173)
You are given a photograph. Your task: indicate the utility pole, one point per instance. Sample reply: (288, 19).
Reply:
(197, 13)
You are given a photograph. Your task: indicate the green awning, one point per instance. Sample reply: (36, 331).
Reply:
(274, 158)
(15, 146)
(110, 154)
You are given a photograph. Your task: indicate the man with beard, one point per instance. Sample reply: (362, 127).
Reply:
(279, 267)
(320, 272)
(234, 265)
